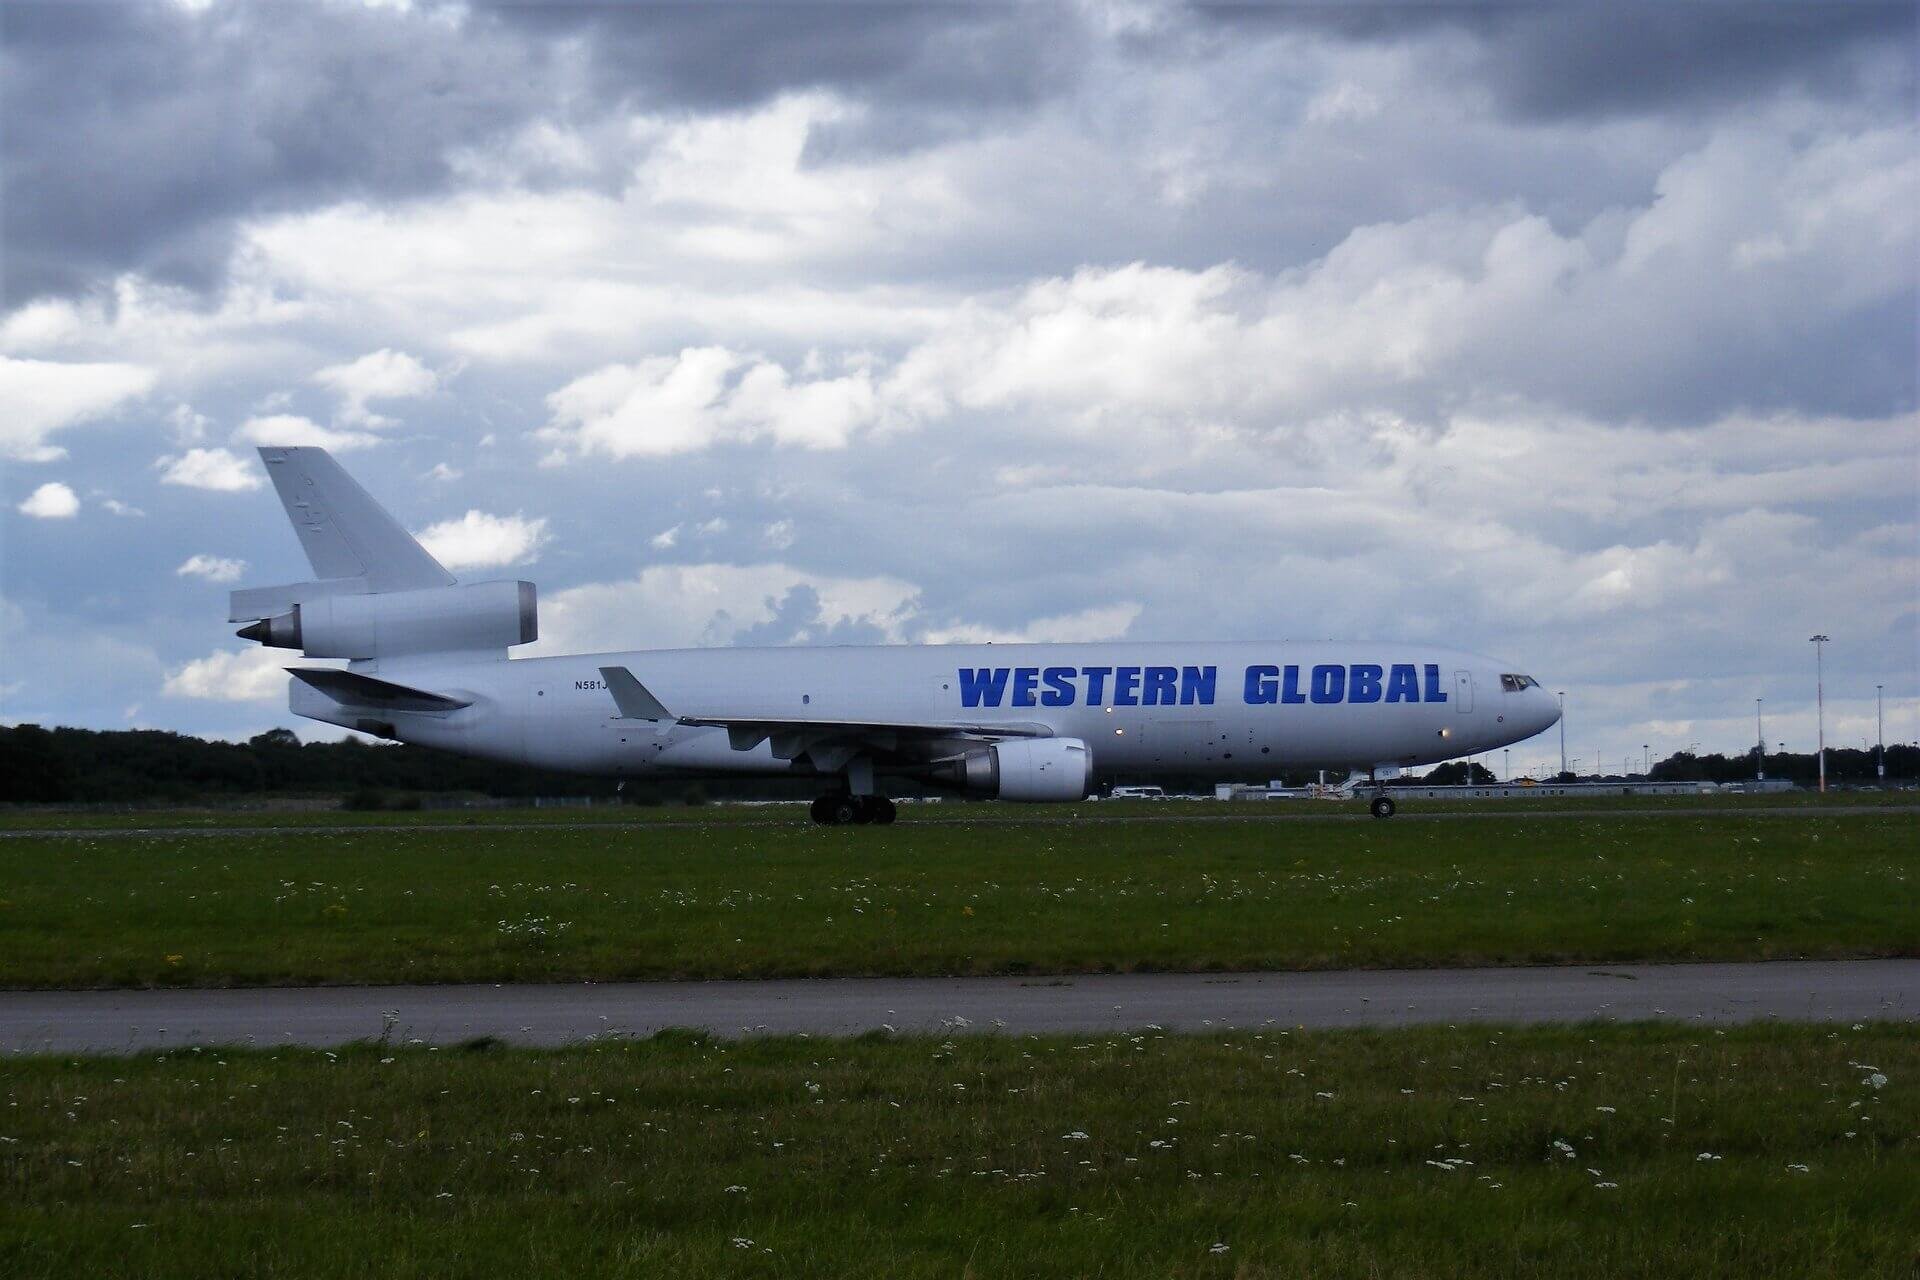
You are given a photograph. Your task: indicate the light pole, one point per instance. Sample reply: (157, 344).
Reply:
(1646, 761)
(1563, 730)
(1760, 736)
(1880, 735)
(1819, 644)
(1506, 765)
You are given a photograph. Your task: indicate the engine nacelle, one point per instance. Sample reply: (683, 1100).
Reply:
(1030, 769)
(479, 616)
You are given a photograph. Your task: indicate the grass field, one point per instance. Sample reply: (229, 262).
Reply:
(1571, 1152)
(727, 899)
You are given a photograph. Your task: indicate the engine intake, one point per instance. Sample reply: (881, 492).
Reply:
(1037, 770)
(458, 619)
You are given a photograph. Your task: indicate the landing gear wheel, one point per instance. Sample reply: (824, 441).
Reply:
(881, 810)
(842, 810)
(819, 810)
(1382, 807)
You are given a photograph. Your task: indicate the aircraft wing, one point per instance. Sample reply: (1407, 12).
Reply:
(795, 736)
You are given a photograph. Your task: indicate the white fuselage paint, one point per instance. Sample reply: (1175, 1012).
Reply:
(556, 713)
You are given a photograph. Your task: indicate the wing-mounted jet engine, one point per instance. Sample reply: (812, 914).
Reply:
(1033, 769)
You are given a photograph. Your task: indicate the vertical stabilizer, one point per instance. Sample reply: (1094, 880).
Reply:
(345, 533)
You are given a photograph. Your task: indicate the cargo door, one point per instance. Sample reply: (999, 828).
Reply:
(1463, 692)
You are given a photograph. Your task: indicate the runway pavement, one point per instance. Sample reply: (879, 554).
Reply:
(129, 1021)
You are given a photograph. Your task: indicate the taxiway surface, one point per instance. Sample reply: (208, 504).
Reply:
(134, 1021)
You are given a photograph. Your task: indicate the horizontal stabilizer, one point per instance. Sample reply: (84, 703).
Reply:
(631, 696)
(350, 688)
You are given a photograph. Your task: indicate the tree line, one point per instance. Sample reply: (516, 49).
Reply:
(150, 766)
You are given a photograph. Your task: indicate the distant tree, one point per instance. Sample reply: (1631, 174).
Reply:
(1456, 773)
(32, 769)
(1681, 766)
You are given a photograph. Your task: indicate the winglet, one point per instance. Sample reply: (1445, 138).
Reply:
(631, 696)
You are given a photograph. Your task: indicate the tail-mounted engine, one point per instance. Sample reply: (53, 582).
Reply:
(1032, 769)
(480, 616)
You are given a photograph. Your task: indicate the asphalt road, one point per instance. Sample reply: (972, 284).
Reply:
(998, 814)
(128, 1021)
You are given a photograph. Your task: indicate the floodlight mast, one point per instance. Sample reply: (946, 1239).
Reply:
(1819, 644)
(1760, 739)
(1562, 695)
(1880, 735)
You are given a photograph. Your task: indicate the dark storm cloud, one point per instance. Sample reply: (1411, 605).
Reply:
(1579, 60)
(719, 56)
(136, 134)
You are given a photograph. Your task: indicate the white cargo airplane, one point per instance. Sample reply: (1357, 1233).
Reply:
(1039, 722)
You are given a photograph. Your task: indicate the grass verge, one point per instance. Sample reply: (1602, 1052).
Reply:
(1608, 1151)
(990, 897)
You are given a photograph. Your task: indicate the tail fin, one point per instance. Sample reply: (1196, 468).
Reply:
(355, 547)
(346, 533)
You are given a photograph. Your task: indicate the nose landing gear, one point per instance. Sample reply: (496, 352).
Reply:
(840, 809)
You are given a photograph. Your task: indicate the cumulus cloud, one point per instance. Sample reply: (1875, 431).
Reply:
(479, 540)
(778, 604)
(46, 396)
(1101, 622)
(380, 375)
(293, 429)
(253, 674)
(669, 606)
(221, 470)
(702, 397)
(1756, 259)
(212, 568)
(51, 501)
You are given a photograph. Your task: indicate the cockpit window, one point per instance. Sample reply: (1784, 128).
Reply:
(1514, 684)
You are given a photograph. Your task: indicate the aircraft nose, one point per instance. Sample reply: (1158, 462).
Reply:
(1548, 707)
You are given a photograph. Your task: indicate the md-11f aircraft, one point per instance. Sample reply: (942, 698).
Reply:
(428, 663)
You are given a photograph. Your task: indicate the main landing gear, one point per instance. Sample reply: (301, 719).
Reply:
(843, 809)
(1382, 805)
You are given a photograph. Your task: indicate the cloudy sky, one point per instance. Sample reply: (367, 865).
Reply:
(1583, 336)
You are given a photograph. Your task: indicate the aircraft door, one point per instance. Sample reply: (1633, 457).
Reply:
(1463, 692)
(541, 720)
(946, 697)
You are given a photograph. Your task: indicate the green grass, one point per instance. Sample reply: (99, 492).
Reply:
(968, 897)
(241, 814)
(1565, 1152)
